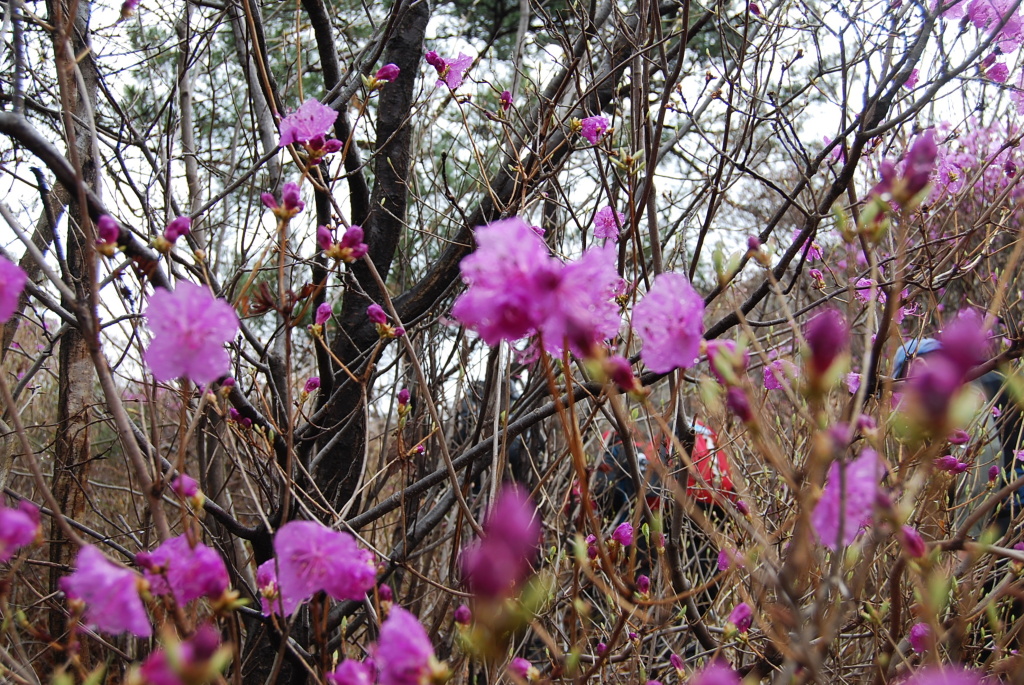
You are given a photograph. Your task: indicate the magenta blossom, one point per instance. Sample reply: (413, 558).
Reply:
(12, 282)
(827, 337)
(387, 73)
(190, 327)
(726, 362)
(311, 557)
(108, 231)
(505, 100)
(944, 675)
(323, 313)
(593, 128)
(580, 304)
(670, 321)
(185, 486)
(449, 72)
(308, 125)
(608, 222)
(180, 226)
(913, 543)
(404, 652)
(778, 372)
(18, 528)
(187, 572)
(920, 637)
(352, 672)
(291, 201)
(498, 563)
(623, 534)
(312, 383)
(862, 476)
(270, 592)
(376, 314)
(742, 617)
(349, 249)
(716, 673)
(643, 584)
(520, 667)
(110, 593)
(463, 616)
(192, 656)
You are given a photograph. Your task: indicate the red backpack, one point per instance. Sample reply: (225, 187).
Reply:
(713, 466)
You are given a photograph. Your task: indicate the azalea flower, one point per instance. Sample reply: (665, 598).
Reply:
(110, 594)
(308, 125)
(920, 637)
(944, 675)
(623, 534)
(670, 321)
(742, 617)
(593, 129)
(193, 660)
(108, 231)
(18, 528)
(271, 600)
(311, 557)
(387, 73)
(496, 564)
(827, 337)
(190, 327)
(291, 201)
(404, 653)
(607, 223)
(862, 476)
(323, 313)
(185, 571)
(716, 673)
(349, 249)
(12, 282)
(778, 371)
(450, 72)
(352, 672)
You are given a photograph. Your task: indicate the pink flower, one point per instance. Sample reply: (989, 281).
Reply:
(312, 557)
(827, 337)
(308, 124)
(778, 371)
(920, 637)
(404, 652)
(185, 486)
(677, 663)
(12, 282)
(108, 230)
(496, 564)
(913, 543)
(911, 81)
(579, 305)
(716, 673)
(505, 100)
(853, 382)
(387, 73)
(186, 572)
(312, 383)
(670, 321)
(450, 73)
(643, 584)
(742, 616)
(623, 534)
(352, 672)
(190, 327)
(959, 437)
(862, 476)
(520, 667)
(110, 593)
(944, 675)
(998, 72)
(593, 128)
(463, 616)
(376, 314)
(18, 528)
(404, 396)
(323, 313)
(607, 223)
(726, 362)
(724, 560)
(270, 591)
(192, 656)
(180, 226)
(508, 276)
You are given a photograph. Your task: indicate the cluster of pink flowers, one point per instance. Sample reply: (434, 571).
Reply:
(593, 129)
(311, 558)
(402, 656)
(496, 565)
(190, 327)
(349, 249)
(291, 201)
(516, 289)
(185, 570)
(608, 223)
